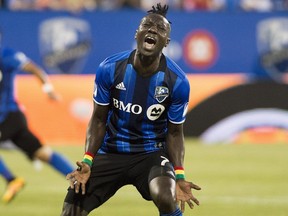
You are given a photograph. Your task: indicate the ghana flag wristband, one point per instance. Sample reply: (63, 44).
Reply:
(88, 158)
(179, 172)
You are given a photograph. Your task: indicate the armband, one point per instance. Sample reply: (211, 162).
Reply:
(88, 158)
(47, 88)
(179, 173)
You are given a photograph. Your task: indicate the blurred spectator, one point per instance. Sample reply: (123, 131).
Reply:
(70, 5)
(109, 4)
(20, 4)
(204, 5)
(173, 4)
(280, 5)
(263, 5)
(256, 5)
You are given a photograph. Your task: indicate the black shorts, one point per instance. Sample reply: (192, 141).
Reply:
(15, 128)
(110, 172)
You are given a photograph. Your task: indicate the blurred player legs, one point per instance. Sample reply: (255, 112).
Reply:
(14, 184)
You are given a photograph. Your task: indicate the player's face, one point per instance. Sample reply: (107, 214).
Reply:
(152, 34)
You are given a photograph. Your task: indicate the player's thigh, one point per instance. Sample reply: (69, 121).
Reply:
(155, 165)
(24, 139)
(107, 176)
(27, 142)
(13, 123)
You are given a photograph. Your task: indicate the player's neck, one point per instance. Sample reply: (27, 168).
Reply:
(146, 65)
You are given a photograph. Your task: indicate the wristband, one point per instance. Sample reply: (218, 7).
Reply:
(47, 88)
(179, 173)
(88, 158)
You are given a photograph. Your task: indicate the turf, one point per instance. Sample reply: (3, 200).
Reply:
(236, 180)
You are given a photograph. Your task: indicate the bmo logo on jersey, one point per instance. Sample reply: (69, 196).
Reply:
(153, 112)
(130, 108)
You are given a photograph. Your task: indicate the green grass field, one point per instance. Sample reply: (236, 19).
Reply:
(236, 180)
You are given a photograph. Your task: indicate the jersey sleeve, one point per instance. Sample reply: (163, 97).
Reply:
(15, 60)
(102, 84)
(180, 98)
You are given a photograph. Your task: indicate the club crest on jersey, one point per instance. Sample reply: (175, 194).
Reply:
(161, 93)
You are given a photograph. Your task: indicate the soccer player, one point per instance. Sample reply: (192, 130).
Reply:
(13, 125)
(135, 135)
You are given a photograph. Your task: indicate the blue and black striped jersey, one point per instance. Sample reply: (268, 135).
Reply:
(10, 62)
(139, 106)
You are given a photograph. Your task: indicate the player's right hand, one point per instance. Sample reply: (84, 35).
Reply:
(53, 96)
(79, 177)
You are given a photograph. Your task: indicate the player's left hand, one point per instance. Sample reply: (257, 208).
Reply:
(184, 194)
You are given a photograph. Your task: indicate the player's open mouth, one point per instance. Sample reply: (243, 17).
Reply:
(149, 42)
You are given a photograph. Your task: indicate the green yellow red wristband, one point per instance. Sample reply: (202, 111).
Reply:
(88, 158)
(179, 173)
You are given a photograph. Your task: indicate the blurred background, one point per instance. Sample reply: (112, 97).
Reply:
(235, 54)
(233, 51)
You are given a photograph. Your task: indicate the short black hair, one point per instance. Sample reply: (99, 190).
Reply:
(159, 9)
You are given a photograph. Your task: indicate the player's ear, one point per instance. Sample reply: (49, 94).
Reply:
(167, 42)
(135, 36)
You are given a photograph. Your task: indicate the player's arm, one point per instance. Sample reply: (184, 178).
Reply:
(175, 144)
(96, 128)
(47, 87)
(176, 152)
(94, 138)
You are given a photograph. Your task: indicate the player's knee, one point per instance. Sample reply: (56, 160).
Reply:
(162, 191)
(72, 210)
(166, 203)
(44, 153)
